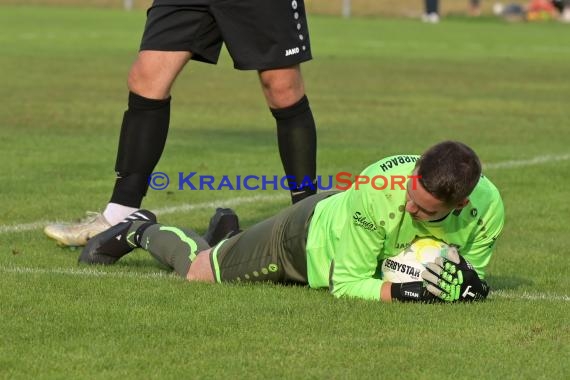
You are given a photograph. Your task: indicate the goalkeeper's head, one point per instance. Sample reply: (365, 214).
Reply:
(449, 171)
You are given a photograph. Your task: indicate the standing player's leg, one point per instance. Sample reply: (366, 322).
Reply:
(171, 33)
(284, 92)
(144, 129)
(272, 37)
(141, 142)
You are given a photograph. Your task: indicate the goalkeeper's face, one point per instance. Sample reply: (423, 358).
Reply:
(423, 206)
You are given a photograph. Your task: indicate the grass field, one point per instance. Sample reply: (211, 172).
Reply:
(377, 87)
(362, 8)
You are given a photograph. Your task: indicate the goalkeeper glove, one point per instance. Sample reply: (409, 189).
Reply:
(452, 278)
(412, 292)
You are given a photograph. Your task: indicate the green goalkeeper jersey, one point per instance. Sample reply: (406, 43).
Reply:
(352, 232)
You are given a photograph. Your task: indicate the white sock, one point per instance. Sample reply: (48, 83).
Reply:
(114, 212)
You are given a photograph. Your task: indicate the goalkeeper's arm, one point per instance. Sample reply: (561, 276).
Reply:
(406, 292)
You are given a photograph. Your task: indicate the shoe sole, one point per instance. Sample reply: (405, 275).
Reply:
(63, 242)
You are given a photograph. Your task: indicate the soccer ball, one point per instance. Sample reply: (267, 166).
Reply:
(408, 265)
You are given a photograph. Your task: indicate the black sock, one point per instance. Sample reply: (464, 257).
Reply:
(297, 139)
(142, 140)
(139, 227)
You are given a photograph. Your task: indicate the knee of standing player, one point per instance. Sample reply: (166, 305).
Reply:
(144, 80)
(282, 88)
(136, 79)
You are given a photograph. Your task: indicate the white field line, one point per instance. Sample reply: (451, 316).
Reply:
(89, 272)
(9, 228)
(82, 272)
(528, 296)
(528, 162)
(185, 207)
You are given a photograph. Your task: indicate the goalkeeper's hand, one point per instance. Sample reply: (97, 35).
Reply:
(412, 292)
(452, 278)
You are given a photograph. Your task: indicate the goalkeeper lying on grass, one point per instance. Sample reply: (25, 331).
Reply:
(336, 240)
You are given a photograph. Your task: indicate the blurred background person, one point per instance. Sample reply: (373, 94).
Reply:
(563, 7)
(474, 8)
(431, 14)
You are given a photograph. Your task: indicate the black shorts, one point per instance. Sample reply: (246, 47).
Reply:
(273, 250)
(259, 34)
